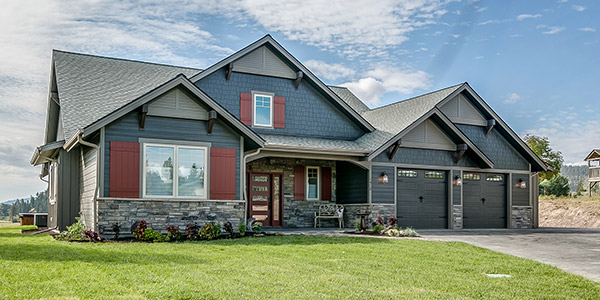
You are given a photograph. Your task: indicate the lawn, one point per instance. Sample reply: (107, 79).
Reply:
(280, 267)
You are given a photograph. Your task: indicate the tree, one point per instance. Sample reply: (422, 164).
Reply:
(557, 186)
(541, 146)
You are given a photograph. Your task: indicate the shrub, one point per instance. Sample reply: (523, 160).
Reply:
(393, 232)
(393, 221)
(357, 225)
(191, 231)
(154, 236)
(73, 232)
(174, 234)
(257, 227)
(93, 236)
(378, 228)
(409, 232)
(380, 221)
(140, 230)
(229, 229)
(116, 229)
(242, 228)
(210, 231)
(557, 185)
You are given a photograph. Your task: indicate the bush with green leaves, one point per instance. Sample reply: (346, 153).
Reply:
(257, 227)
(139, 231)
(210, 231)
(357, 225)
(242, 228)
(154, 236)
(174, 234)
(410, 232)
(75, 232)
(377, 229)
(558, 185)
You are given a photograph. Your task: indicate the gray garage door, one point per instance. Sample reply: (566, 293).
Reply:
(484, 200)
(422, 199)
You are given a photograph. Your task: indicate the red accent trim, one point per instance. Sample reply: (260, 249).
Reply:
(124, 170)
(298, 182)
(222, 173)
(279, 112)
(246, 108)
(326, 184)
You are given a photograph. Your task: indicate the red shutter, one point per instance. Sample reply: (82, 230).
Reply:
(222, 174)
(124, 170)
(279, 112)
(246, 108)
(298, 183)
(326, 184)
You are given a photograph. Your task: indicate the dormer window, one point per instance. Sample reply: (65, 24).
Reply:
(262, 105)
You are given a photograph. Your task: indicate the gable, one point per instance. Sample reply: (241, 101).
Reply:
(263, 61)
(427, 135)
(177, 104)
(460, 110)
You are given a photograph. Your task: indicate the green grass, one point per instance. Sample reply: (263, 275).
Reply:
(286, 267)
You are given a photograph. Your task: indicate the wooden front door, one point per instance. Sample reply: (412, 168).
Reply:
(265, 198)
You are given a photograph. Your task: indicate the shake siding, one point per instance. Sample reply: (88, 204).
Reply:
(126, 129)
(87, 182)
(307, 111)
(382, 192)
(426, 157)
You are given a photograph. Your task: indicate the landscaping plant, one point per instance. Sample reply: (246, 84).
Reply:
(229, 229)
(154, 236)
(210, 231)
(73, 232)
(377, 229)
(116, 229)
(174, 234)
(242, 228)
(93, 236)
(191, 231)
(257, 227)
(139, 232)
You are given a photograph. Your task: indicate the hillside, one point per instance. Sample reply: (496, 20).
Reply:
(581, 212)
(575, 174)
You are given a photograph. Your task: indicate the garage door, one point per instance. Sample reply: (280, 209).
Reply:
(422, 199)
(484, 200)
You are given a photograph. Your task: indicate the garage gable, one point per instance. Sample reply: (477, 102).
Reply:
(428, 135)
(460, 110)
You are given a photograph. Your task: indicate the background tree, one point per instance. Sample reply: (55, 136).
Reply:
(541, 146)
(557, 186)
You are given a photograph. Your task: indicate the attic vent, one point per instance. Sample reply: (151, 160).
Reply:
(263, 62)
(176, 104)
(460, 110)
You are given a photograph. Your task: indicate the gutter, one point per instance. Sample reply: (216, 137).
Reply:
(243, 179)
(97, 188)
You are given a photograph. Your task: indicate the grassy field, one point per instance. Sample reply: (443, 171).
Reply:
(287, 267)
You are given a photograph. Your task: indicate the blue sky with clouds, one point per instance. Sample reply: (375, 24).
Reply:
(535, 62)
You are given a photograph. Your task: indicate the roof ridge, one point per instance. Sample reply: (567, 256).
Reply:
(125, 59)
(415, 97)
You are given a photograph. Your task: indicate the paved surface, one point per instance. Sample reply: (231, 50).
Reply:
(574, 250)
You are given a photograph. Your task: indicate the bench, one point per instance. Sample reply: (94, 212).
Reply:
(330, 211)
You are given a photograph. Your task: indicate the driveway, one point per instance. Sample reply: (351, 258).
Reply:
(574, 250)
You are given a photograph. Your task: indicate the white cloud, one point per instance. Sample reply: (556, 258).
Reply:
(382, 80)
(512, 98)
(578, 7)
(478, 57)
(329, 71)
(551, 29)
(522, 17)
(587, 29)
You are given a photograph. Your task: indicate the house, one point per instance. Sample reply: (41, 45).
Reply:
(258, 135)
(593, 160)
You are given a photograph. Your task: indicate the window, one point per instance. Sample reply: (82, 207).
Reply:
(471, 176)
(434, 174)
(312, 183)
(174, 171)
(53, 183)
(496, 178)
(262, 110)
(407, 173)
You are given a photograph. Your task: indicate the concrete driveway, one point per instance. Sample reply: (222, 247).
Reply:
(574, 250)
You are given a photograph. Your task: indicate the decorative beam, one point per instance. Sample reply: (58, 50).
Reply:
(393, 149)
(212, 117)
(460, 152)
(143, 113)
(490, 124)
(54, 96)
(299, 76)
(229, 70)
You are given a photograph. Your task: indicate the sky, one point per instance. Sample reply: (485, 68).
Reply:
(535, 62)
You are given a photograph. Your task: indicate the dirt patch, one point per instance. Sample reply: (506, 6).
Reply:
(582, 212)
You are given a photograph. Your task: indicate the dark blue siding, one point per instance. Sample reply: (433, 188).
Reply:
(520, 197)
(382, 192)
(307, 112)
(351, 183)
(425, 157)
(496, 148)
(126, 130)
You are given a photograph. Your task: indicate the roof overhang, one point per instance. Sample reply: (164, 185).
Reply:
(45, 153)
(327, 151)
(268, 40)
(594, 155)
(179, 80)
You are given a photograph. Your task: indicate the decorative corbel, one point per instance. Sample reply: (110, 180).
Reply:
(490, 124)
(460, 152)
(143, 113)
(212, 117)
(393, 149)
(229, 70)
(299, 76)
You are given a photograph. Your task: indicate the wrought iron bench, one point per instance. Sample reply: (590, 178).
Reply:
(330, 211)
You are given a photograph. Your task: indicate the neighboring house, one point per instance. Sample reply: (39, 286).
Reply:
(593, 160)
(257, 135)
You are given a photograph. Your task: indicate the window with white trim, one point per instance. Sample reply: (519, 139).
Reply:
(52, 183)
(175, 171)
(313, 186)
(262, 110)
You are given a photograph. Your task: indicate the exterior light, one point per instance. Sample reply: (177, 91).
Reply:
(457, 180)
(383, 178)
(521, 184)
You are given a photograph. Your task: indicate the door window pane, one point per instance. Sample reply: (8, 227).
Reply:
(159, 171)
(313, 183)
(190, 172)
(262, 110)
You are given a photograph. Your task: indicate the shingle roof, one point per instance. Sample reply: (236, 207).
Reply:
(312, 143)
(90, 87)
(350, 99)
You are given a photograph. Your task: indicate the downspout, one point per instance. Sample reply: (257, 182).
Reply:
(96, 191)
(246, 156)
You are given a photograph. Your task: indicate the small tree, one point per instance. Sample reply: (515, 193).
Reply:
(541, 146)
(557, 186)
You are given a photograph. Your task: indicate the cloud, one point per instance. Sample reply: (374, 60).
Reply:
(512, 98)
(522, 17)
(587, 29)
(329, 71)
(578, 7)
(383, 80)
(478, 57)
(551, 29)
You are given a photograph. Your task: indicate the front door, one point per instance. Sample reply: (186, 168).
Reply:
(265, 198)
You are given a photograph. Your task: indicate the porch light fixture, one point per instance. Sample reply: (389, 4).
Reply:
(521, 184)
(383, 178)
(457, 180)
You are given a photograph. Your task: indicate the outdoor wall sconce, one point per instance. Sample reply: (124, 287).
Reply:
(521, 184)
(457, 180)
(383, 178)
